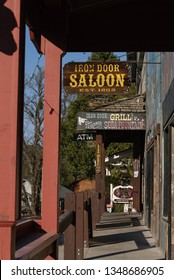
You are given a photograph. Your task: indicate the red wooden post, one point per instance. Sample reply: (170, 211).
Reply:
(12, 45)
(50, 179)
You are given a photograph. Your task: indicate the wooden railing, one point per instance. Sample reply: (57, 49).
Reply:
(77, 223)
(83, 208)
(32, 243)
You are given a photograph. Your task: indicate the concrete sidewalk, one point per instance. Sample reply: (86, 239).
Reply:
(122, 237)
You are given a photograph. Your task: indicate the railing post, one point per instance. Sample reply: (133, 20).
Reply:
(90, 214)
(79, 226)
(70, 232)
(86, 220)
(94, 209)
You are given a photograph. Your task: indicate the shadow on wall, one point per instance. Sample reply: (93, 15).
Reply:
(7, 24)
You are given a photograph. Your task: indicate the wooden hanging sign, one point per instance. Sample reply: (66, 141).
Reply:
(96, 77)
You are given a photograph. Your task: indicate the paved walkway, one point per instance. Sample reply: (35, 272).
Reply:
(122, 237)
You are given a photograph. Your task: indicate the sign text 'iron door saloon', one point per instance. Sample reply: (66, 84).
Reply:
(110, 121)
(96, 77)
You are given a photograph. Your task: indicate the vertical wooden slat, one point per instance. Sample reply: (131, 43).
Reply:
(86, 221)
(99, 178)
(94, 200)
(103, 179)
(69, 235)
(90, 224)
(79, 226)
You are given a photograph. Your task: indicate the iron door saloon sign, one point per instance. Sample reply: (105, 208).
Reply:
(96, 77)
(110, 121)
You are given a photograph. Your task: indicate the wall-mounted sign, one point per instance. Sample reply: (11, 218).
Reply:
(98, 158)
(110, 121)
(96, 77)
(84, 136)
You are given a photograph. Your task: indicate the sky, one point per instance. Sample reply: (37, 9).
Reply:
(32, 56)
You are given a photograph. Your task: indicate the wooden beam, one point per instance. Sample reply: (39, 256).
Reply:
(65, 220)
(11, 120)
(38, 249)
(50, 179)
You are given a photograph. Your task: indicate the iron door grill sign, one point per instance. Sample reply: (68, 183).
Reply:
(110, 121)
(96, 77)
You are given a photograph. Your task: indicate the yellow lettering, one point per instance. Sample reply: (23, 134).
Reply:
(82, 81)
(110, 79)
(75, 68)
(99, 67)
(116, 68)
(91, 82)
(120, 80)
(100, 80)
(73, 82)
(105, 67)
(121, 117)
(129, 118)
(80, 68)
(117, 116)
(108, 67)
(112, 117)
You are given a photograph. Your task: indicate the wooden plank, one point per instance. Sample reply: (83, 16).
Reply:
(79, 226)
(86, 220)
(90, 225)
(23, 228)
(94, 210)
(69, 234)
(38, 249)
(65, 220)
